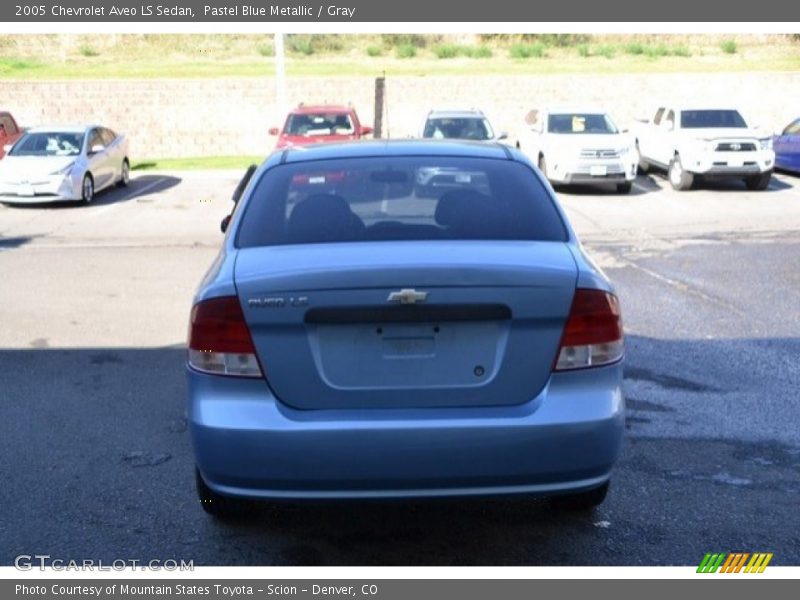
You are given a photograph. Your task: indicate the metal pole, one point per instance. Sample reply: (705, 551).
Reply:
(280, 75)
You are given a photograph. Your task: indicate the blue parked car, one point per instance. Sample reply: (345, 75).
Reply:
(787, 148)
(353, 340)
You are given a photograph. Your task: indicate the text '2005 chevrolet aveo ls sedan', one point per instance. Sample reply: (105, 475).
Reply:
(356, 340)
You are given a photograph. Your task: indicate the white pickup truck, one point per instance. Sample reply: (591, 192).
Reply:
(707, 142)
(580, 145)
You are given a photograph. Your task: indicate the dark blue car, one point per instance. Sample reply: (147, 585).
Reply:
(787, 148)
(356, 340)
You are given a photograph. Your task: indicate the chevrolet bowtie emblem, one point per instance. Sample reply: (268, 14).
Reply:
(407, 296)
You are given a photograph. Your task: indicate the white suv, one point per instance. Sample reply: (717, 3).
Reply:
(469, 124)
(579, 146)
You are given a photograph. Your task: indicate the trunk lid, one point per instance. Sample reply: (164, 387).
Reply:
(328, 336)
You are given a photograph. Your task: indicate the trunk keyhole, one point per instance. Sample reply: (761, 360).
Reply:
(479, 371)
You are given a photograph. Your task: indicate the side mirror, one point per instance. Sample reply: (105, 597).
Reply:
(273, 131)
(625, 130)
(223, 226)
(97, 148)
(503, 136)
(366, 130)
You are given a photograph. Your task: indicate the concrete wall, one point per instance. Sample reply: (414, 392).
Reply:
(228, 116)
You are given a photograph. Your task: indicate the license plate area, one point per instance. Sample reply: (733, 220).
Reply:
(408, 355)
(598, 170)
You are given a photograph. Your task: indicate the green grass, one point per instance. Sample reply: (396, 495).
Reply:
(153, 56)
(728, 46)
(210, 162)
(522, 51)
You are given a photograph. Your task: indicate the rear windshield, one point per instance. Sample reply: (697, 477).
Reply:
(699, 119)
(406, 198)
(466, 128)
(308, 124)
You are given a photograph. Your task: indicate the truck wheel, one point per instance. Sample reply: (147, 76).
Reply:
(581, 502)
(678, 178)
(543, 166)
(644, 166)
(758, 182)
(216, 505)
(624, 188)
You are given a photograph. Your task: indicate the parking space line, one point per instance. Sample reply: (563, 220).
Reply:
(132, 193)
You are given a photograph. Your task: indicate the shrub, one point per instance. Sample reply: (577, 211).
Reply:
(300, 44)
(606, 51)
(681, 51)
(635, 48)
(406, 51)
(88, 51)
(477, 51)
(446, 51)
(374, 51)
(266, 50)
(656, 51)
(536, 50)
(728, 46)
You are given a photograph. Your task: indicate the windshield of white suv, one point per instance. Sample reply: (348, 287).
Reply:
(461, 128)
(698, 119)
(48, 144)
(580, 123)
(310, 124)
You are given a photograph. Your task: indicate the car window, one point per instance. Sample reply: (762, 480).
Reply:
(308, 124)
(697, 119)
(793, 128)
(659, 114)
(462, 128)
(54, 143)
(95, 139)
(402, 198)
(580, 123)
(8, 124)
(108, 136)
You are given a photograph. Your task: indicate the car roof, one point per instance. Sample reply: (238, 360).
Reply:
(387, 148)
(456, 113)
(589, 110)
(316, 108)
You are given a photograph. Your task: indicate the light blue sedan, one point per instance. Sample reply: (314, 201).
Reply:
(353, 340)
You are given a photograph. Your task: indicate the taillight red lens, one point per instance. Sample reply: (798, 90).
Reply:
(593, 332)
(219, 339)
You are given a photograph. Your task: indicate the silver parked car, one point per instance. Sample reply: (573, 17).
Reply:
(50, 164)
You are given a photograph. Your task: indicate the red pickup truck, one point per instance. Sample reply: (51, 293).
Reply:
(319, 124)
(10, 132)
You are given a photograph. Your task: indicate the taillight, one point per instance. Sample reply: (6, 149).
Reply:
(219, 340)
(593, 333)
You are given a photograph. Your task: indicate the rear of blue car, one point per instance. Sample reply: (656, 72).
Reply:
(357, 340)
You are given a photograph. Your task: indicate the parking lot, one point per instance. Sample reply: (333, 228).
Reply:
(96, 461)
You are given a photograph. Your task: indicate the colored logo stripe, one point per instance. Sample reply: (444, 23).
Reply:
(733, 562)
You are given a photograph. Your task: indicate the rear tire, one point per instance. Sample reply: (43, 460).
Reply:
(217, 505)
(679, 179)
(624, 188)
(581, 502)
(87, 189)
(758, 182)
(125, 174)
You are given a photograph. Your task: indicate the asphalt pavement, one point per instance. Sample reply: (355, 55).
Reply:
(96, 461)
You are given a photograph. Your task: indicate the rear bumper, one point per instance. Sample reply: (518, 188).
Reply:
(248, 444)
